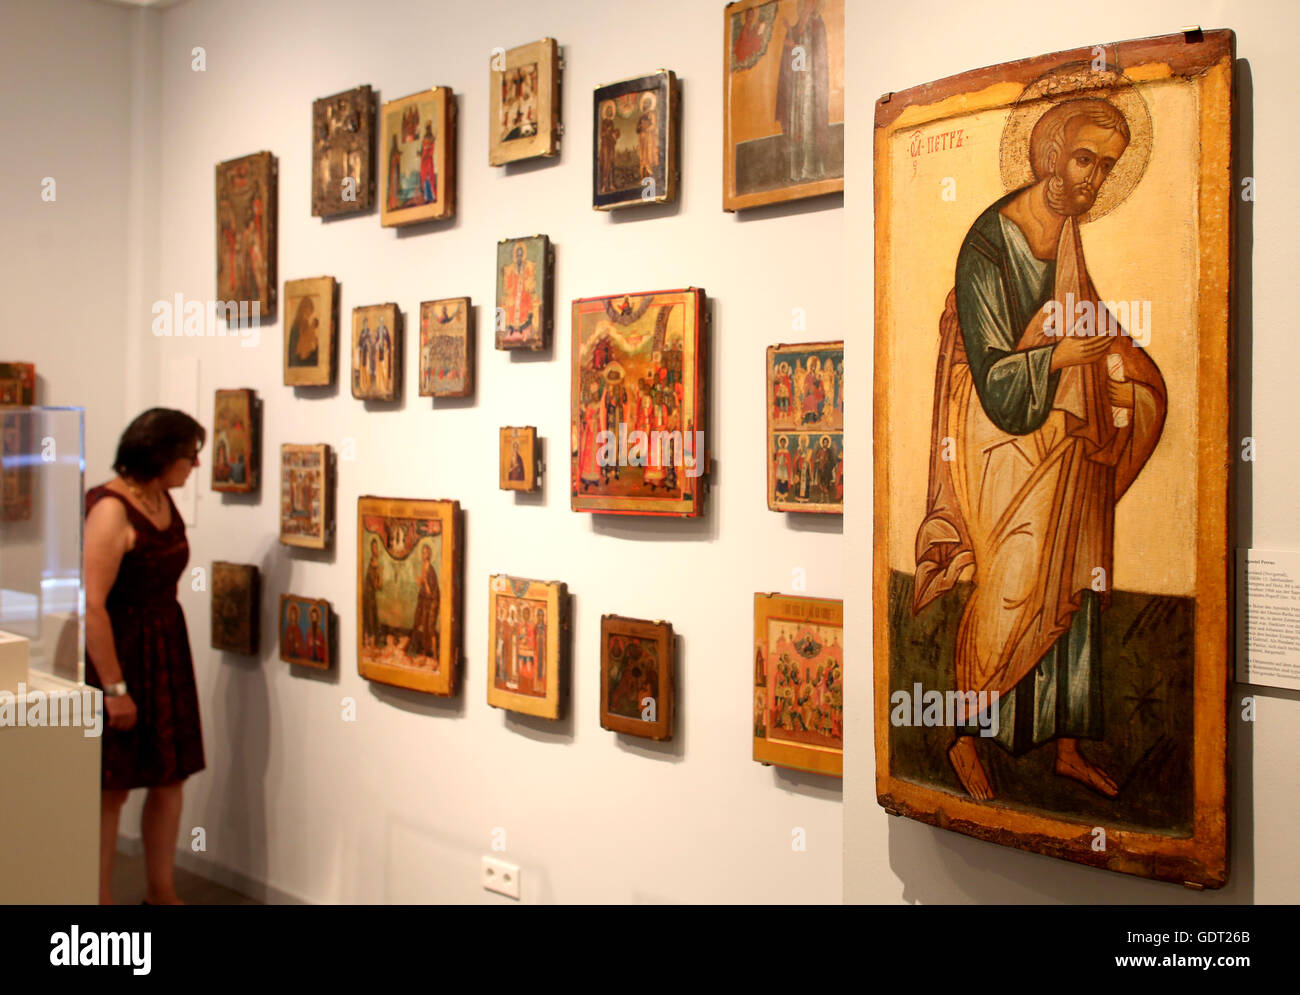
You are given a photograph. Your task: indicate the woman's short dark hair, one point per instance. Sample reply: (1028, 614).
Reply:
(155, 440)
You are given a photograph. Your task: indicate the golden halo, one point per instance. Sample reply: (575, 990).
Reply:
(649, 95)
(1078, 80)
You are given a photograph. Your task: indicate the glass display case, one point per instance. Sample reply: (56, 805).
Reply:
(42, 462)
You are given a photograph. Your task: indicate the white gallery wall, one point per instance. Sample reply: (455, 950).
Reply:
(401, 804)
(65, 172)
(891, 859)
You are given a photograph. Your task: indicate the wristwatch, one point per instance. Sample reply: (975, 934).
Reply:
(117, 690)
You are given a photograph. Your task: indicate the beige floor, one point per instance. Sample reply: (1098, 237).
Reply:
(129, 885)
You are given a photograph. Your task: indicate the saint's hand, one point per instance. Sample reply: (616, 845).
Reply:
(121, 711)
(1121, 393)
(1076, 350)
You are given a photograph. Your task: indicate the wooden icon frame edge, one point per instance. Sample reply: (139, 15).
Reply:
(312, 377)
(814, 759)
(546, 143)
(660, 730)
(331, 632)
(556, 596)
(445, 684)
(445, 207)
(328, 520)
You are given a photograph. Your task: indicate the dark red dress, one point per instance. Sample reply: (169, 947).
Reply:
(153, 646)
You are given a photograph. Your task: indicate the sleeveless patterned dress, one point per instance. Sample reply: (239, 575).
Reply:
(153, 646)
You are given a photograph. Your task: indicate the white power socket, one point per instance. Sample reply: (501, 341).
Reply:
(501, 877)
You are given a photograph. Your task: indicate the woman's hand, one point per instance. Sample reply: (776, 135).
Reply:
(121, 711)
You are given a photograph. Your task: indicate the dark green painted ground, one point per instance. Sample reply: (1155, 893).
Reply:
(1147, 692)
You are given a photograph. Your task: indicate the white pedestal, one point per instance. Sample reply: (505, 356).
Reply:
(49, 783)
(14, 659)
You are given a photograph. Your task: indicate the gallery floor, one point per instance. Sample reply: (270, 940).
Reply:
(129, 885)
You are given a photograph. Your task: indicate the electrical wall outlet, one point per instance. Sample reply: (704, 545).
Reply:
(501, 877)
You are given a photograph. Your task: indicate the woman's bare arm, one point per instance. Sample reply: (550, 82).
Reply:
(108, 537)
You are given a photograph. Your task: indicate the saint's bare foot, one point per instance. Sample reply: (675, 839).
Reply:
(1071, 763)
(966, 762)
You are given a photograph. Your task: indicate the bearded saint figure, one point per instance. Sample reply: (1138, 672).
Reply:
(1051, 425)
